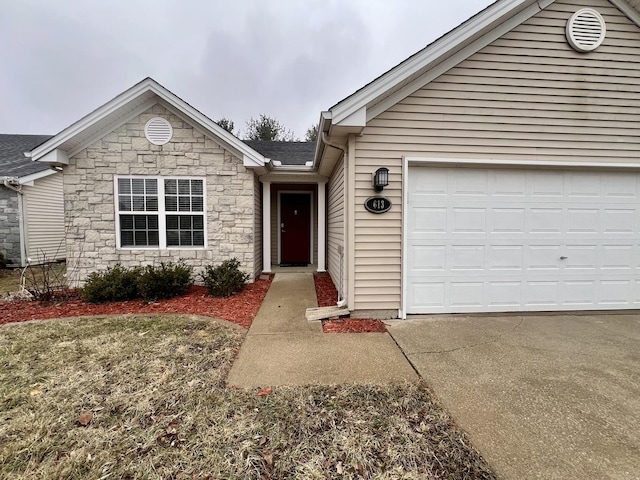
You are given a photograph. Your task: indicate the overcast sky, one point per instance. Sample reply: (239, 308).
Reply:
(289, 59)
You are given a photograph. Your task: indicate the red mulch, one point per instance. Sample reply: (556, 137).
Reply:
(353, 325)
(327, 297)
(325, 291)
(240, 308)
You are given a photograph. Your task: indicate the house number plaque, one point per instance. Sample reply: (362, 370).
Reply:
(377, 204)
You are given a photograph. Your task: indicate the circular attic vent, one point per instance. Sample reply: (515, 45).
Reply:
(586, 30)
(158, 131)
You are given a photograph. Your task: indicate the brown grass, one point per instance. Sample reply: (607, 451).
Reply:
(150, 391)
(9, 281)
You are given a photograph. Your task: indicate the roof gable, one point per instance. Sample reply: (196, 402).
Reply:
(123, 108)
(441, 55)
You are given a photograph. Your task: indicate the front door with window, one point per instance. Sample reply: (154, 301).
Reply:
(295, 228)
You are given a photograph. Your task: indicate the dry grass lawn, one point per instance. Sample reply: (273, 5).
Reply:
(34, 277)
(133, 397)
(9, 281)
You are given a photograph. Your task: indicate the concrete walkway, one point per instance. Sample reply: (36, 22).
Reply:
(282, 348)
(541, 396)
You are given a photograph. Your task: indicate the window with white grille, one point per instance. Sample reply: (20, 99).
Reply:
(160, 212)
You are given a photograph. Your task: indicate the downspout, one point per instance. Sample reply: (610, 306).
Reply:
(341, 302)
(9, 182)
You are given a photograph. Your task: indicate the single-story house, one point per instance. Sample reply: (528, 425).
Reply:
(496, 170)
(31, 207)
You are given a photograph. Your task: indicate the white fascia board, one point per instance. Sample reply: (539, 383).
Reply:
(55, 156)
(324, 124)
(29, 179)
(430, 54)
(355, 119)
(628, 10)
(457, 58)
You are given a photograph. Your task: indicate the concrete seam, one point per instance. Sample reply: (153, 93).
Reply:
(496, 339)
(413, 367)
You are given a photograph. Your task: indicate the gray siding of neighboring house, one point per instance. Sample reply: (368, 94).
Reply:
(90, 201)
(9, 226)
(44, 219)
(526, 96)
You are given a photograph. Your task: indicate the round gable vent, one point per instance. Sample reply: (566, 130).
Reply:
(158, 131)
(586, 30)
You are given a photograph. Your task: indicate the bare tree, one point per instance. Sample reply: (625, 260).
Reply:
(227, 124)
(312, 133)
(268, 128)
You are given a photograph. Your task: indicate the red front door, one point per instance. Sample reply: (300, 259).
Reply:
(295, 228)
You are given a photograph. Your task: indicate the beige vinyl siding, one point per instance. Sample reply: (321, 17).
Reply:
(44, 219)
(335, 224)
(527, 96)
(257, 229)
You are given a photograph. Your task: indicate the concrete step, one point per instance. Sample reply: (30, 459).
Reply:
(321, 313)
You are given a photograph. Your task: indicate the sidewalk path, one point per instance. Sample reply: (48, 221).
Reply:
(282, 348)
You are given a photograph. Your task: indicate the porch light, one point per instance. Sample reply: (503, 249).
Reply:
(381, 179)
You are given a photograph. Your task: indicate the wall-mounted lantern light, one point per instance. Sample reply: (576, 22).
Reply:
(381, 179)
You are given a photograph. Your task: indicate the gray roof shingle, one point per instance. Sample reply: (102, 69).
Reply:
(288, 153)
(13, 163)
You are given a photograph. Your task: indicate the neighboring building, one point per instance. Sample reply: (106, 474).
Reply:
(513, 153)
(31, 207)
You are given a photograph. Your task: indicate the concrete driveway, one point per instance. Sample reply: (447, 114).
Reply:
(541, 396)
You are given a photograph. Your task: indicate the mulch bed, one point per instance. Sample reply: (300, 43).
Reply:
(327, 297)
(240, 308)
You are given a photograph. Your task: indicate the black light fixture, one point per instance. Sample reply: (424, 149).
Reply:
(381, 179)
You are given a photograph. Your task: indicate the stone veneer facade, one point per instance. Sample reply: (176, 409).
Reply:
(90, 207)
(10, 226)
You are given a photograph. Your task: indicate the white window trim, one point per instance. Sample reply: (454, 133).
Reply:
(162, 213)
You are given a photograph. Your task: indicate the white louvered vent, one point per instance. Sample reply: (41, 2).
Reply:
(586, 30)
(158, 131)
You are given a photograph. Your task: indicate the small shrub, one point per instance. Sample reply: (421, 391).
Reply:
(225, 279)
(114, 284)
(165, 281)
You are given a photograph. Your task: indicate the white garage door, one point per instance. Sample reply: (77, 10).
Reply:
(500, 240)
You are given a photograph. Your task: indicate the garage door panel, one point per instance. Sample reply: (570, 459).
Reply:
(467, 257)
(504, 294)
(430, 258)
(507, 220)
(521, 240)
(617, 257)
(545, 220)
(619, 221)
(505, 257)
(469, 220)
